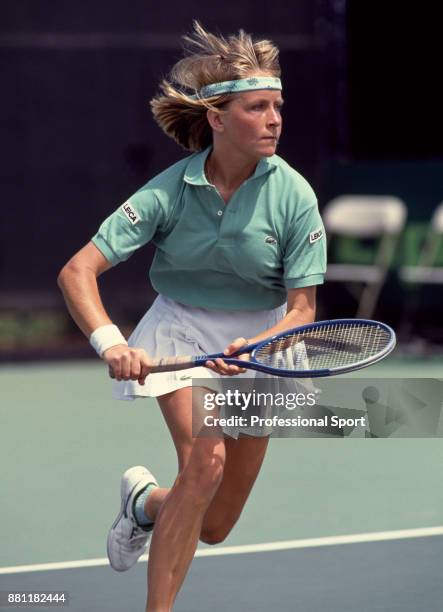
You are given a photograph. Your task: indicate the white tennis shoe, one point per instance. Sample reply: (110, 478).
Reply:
(127, 541)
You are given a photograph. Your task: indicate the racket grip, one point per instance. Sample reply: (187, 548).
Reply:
(172, 364)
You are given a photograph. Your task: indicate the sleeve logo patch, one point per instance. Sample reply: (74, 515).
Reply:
(130, 213)
(314, 236)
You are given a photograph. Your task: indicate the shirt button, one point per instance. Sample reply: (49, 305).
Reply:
(219, 213)
(208, 188)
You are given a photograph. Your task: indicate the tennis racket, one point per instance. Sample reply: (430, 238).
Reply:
(324, 348)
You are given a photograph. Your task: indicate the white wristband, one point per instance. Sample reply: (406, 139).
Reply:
(105, 337)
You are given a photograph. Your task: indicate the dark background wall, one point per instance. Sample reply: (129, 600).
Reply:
(393, 65)
(363, 114)
(77, 131)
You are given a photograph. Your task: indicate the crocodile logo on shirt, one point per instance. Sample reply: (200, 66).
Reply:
(270, 240)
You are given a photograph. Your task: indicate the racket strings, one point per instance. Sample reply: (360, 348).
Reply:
(328, 346)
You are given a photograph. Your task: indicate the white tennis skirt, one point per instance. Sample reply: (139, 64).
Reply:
(170, 328)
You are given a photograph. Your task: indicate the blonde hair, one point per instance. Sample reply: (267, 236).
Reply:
(208, 59)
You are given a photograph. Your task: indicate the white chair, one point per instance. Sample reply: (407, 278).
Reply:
(427, 271)
(380, 218)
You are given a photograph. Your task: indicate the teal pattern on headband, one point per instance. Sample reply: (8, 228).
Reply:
(238, 86)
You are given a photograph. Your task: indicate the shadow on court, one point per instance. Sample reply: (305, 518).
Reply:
(395, 575)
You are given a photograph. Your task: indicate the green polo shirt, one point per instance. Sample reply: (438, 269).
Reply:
(239, 256)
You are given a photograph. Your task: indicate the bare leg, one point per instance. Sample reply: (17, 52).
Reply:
(154, 502)
(214, 482)
(244, 458)
(180, 516)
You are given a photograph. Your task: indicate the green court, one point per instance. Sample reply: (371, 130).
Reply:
(65, 442)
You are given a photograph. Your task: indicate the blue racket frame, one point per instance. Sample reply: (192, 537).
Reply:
(200, 360)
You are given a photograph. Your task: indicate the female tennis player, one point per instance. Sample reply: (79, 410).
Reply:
(240, 249)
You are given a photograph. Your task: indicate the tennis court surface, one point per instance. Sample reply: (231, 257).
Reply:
(348, 524)
(387, 575)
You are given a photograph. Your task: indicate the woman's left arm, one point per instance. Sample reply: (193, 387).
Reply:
(300, 311)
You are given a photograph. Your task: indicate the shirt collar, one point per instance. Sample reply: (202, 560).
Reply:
(195, 170)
